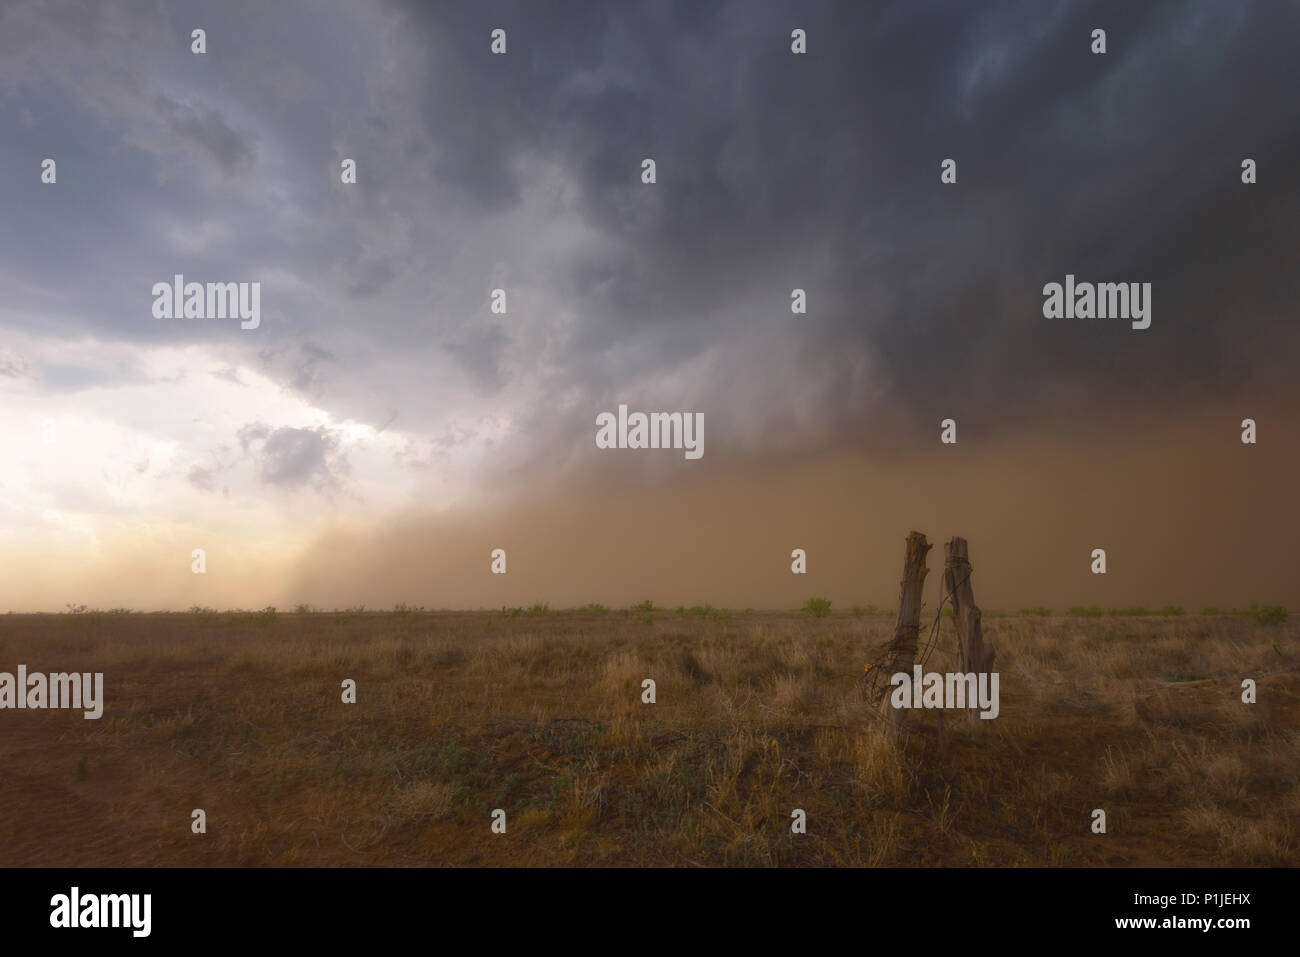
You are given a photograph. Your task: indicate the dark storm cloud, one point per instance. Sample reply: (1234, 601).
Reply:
(479, 350)
(822, 172)
(775, 171)
(370, 278)
(208, 130)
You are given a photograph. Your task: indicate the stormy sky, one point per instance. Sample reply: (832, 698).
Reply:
(381, 430)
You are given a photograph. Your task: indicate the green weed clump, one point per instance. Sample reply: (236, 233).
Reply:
(817, 607)
(1267, 614)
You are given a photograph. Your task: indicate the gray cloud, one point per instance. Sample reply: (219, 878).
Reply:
(291, 458)
(775, 171)
(250, 433)
(201, 478)
(821, 172)
(204, 129)
(479, 348)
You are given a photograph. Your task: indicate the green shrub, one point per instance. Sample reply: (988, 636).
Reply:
(1267, 614)
(711, 613)
(1078, 611)
(817, 607)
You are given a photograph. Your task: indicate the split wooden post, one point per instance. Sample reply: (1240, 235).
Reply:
(973, 655)
(900, 654)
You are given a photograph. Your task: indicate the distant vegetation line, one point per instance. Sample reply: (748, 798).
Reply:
(646, 611)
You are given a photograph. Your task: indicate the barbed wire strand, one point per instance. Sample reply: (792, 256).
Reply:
(875, 673)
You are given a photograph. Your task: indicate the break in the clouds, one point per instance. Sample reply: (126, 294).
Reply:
(378, 374)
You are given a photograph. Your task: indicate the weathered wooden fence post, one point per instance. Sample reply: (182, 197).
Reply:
(900, 654)
(973, 655)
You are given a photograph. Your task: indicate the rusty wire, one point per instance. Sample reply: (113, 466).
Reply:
(875, 672)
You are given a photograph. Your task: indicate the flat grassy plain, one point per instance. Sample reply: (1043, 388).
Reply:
(539, 713)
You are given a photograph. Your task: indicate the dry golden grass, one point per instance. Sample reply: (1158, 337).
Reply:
(541, 715)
